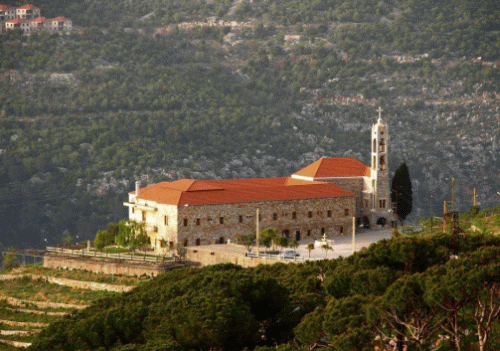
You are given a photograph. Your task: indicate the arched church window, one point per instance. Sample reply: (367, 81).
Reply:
(374, 164)
(374, 145)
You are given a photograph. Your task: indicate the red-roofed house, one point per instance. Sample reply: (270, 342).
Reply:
(7, 12)
(18, 23)
(318, 200)
(60, 23)
(27, 11)
(38, 23)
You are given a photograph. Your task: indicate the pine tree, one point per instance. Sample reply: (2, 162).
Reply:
(401, 194)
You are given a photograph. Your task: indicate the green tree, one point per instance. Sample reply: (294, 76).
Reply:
(268, 237)
(401, 193)
(246, 240)
(310, 247)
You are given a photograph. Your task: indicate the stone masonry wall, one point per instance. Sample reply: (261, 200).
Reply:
(208, 224)
(209, 257)
(101, 266)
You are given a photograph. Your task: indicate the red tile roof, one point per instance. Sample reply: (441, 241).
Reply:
(39, 20)
(6, 8)
(335, 168)
(27, 7)
(205, 192)
(17, 21)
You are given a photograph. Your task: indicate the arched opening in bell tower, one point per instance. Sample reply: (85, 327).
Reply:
(383, 164)
(374, 145)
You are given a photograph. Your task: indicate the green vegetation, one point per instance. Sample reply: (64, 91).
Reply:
(406, 291)
(85, 115)
(38, 290)
(401, 193)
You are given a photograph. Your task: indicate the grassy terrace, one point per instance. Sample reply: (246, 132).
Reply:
(18, 316)
(38, 269)
(38, 290)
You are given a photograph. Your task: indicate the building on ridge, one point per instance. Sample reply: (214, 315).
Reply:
(318, 200)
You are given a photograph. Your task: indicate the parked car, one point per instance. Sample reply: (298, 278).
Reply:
(290, 254)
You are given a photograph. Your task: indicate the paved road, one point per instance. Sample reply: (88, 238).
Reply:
(343, 244)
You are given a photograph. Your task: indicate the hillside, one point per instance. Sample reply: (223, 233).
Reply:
(149, 90)
(407, 290)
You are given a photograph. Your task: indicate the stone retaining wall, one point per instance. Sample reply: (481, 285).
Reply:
(106, 266)
(15, 343)
(24, 324)
(42, 304)
(206, 257)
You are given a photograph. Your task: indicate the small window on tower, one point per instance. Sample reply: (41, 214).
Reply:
(165, 220)
(294, 215)
(198, 221)
(221, 220)
(241, 219)
(341, 230)
(310, 214)
(185, 222)
(346, 212)
(275, 216)
(329, 213)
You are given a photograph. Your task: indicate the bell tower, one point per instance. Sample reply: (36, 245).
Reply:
(380, 196)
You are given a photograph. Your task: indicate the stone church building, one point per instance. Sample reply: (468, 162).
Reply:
(318, 200)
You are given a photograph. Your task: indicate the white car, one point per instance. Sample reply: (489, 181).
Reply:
(289, 254)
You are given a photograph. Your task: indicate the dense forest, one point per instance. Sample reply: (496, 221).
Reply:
(147, 90)
(407, 293)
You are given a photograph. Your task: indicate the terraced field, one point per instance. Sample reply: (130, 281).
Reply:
(32, 297)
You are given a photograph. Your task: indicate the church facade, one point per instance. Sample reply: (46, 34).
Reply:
(320, 199)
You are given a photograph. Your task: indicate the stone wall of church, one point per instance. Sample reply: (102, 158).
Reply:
(355, 185)
(296, 219)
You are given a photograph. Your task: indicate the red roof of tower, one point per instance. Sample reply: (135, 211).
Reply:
(205, 192)
(337, 167)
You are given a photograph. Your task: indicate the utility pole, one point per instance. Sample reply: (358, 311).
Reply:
(445, 215)
(353, 235)
(257, 230)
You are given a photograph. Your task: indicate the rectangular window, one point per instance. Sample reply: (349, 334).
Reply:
(197, 221)
(346, 212)
(275, 216)
(329, 213)
(185, 222)
(221, 220)
(294, 215)
(144, 216)
(165, 220)
(241, 219)
(381, 203)
(341, 230)
(310, 214)
(133, 210)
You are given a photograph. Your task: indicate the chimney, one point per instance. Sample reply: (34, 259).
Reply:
(137, 186)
